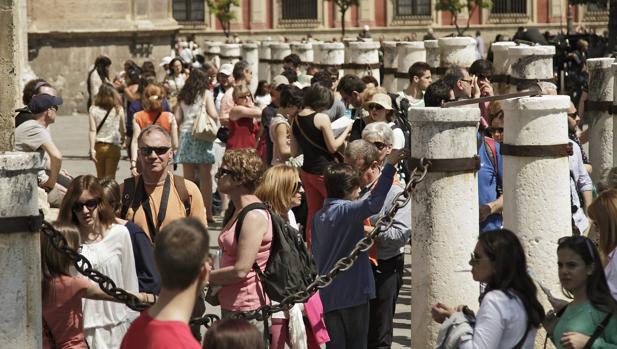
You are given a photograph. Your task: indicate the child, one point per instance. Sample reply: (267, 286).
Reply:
(62, 294)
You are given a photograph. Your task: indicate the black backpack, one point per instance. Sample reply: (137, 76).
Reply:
(290, 268)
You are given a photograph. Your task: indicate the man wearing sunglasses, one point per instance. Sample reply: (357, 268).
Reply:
(463, 84)
(388, 258)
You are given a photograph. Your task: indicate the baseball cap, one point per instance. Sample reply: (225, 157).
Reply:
(279, 80)
(165, 60)
(42, 102)
(226, 69)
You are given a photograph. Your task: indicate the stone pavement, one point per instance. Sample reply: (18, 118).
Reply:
(70, 133)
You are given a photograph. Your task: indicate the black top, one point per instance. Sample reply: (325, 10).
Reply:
(267, 115)
(315, 159)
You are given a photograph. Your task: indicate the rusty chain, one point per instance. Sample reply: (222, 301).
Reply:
(321, 281)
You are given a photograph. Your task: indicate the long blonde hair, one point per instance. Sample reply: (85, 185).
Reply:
(277, 188)
(603, 212)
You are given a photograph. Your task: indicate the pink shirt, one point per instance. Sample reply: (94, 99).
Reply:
(62, 313)
(247, 294)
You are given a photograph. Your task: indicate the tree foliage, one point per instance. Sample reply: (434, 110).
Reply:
(456, 8)
(343, 6)
(222, 10)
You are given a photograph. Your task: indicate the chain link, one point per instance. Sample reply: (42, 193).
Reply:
(383, 223)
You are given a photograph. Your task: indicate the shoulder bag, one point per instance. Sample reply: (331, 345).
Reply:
(98, 128)
(204, 127)
(338, 157)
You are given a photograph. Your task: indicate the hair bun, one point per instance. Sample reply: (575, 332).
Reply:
(153, 98)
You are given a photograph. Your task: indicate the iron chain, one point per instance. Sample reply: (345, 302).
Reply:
(383, 223)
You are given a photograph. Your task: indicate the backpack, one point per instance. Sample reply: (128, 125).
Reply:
(290, 268)
(132, 195)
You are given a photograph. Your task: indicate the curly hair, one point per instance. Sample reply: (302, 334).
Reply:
(246, 166)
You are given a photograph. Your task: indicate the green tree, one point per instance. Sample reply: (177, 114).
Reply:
(612, 19)
(222, 10)
(456, 7)
(343, 6)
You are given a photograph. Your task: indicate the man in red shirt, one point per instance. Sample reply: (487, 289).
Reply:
(180, 252)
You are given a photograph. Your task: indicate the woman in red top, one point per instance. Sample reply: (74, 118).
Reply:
(152, 101)
(243, 127)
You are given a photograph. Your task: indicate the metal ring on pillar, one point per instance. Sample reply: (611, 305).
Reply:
(518, 81)
(389, 71)
(600, 106)
(276, 61)
(30, 224)
(553, 151)
(500, 78)
(471, 164)
(265, 60)
(439, 70)
(361, 66)
(230, 57)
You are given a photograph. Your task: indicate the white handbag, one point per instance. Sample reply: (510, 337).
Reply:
(205, 128)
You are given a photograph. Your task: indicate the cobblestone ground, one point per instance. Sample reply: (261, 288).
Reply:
(70, 133)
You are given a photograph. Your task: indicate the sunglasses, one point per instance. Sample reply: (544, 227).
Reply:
(223, 171)
(493, 130)
(157, 150)
(297, 187)
(579, 239)
(468, 81)
(375, 107)
(89, 204)
(380, 145)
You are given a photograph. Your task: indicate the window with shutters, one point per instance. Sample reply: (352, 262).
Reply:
(189, 10)
(293, 10)
(509, 7)
(408, 8)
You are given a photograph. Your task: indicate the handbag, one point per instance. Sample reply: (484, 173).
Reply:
(338, 157)
(204, 127)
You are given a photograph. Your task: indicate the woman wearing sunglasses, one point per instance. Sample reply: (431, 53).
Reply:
(509, 313)
(603, 213)
(590, 320)
(380, 110)
(107, 246)
(243, 120)
(381, 136)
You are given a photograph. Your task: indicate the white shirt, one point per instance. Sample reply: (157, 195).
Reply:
(190, 112)
(112, 256)
(398, 139)
(110, 130)
(611, 272)
(500, 323)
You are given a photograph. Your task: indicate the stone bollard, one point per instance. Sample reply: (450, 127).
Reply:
(597, 110)
(409, 53)
(530, 64)
(264, 61)
(333, 55)
(213, 52)
(433, 58)
(501, 66)
(536, 183)
(441, 245)
(251, 55)
(20, 259)
(278, 51)
(364, 59)
(230, 53)
(460, 51)
(390, 62)
(614, 110)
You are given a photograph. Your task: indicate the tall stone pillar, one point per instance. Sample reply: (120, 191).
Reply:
(264, 61)
(20, 260)
(230, 53)
(457, 50)
(278, 51)
(536, 180)
(251, 55)
(614, 72)
(333, 54)
(444, 216)
(364, 58)
(433, 56)
(12, 50)
(597, 108)
(213, 52)
(408, 53)
(390, 62)
(529, 64)
(501, 65)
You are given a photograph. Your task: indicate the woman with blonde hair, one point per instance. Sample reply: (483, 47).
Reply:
(243, 117)
(153, 114)
(107, 131)
(603, 213)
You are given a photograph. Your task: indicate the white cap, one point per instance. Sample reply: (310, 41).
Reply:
(226, 69)
(165, 60)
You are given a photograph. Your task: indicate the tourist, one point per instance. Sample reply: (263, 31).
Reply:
(63, 325)
(181, 254)
(107, 246)
(225, 80)
(153, 114)
(262, 94)
(174, 82)
(380, 110)
(496, 122)
(419, 80)
(242, 75)
(31, 89)
(510, 313)
(233, 334)
(98, 75)
(351, 89)
(337, 227)
(313, 137)
(241, 290)
(583, 280)
(603, 213)
(338, 109)
(463, 84)
(107, 132)
(265, 147)
(195, 153)
(291, 103)
(381, 136)
(242, 123)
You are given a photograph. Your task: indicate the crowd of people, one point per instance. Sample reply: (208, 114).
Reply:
(327, 154)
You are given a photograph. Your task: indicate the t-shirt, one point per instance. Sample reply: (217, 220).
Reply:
(146, 118)
(175, 207)
(336, 110)
(584, 318)
(148, 333)
(29, 137)
(62, 313)
(488, 178)
(110, 130)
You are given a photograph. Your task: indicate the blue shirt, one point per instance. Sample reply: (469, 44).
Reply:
(337, 227)
(487, 184)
